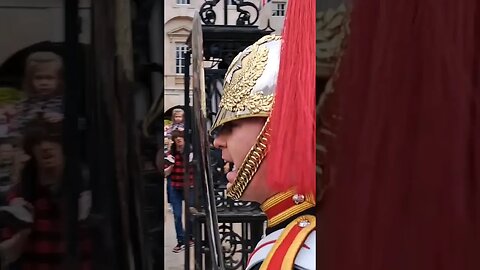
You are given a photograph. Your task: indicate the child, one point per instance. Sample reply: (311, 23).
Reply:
(178, 118)
(43, 85)
(178, 122)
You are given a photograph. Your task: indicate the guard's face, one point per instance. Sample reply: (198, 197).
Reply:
(235, 140)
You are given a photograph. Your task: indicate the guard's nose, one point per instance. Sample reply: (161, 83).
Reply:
(220, 142)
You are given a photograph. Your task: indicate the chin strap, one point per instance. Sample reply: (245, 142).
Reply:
(251, 163)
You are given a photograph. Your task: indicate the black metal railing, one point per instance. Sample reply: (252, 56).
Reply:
(248, 12)
(241, 224)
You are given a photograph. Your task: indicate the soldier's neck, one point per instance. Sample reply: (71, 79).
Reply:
(286, 205)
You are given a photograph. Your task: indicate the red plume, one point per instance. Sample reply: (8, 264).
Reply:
(292, 152)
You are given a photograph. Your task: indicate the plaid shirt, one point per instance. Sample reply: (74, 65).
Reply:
(28, 109)
(45, 249)
(178, 172)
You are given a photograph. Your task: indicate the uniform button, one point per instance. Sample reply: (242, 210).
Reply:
(303, 223)
(298, 198)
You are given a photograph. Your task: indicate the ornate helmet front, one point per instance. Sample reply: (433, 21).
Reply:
(250, 82)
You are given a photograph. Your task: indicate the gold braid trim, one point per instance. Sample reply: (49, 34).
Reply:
(276, 199)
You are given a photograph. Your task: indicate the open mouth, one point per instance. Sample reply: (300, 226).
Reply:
(47, 156)
(232, 176)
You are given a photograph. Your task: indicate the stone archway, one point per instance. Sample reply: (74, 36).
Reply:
(12, 69)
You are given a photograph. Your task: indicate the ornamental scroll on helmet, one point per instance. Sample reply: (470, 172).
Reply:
(250, 82)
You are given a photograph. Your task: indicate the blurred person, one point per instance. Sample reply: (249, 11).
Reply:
(12, 161)
(43, 85)
(178, 122)
(166, 127)
(166, 145)
(164, 158)
(9, 97)
(175, 169)
(405, 174)
(8, 156)
(38, 200)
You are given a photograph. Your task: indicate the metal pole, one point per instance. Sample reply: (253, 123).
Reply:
(71, 136)
(225, 8)
(186, 152)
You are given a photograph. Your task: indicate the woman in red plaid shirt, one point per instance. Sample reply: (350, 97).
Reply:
(41, 243)
(175, 168)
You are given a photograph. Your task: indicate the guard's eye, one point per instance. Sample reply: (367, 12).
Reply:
(223, 129)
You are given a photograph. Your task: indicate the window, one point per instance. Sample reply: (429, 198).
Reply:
(183, 2)
(279, 10)
(180, 50)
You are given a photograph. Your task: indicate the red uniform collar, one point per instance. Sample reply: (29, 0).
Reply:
(285, 205)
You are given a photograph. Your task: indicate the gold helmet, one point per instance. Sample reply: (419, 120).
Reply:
(250, 82)
(249, 89)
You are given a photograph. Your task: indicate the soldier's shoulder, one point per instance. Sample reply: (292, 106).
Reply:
(292, 247)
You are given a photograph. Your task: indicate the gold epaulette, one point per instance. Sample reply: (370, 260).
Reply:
(286, 205)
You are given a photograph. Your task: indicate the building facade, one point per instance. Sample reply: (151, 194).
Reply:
(24, 23)
(178, 24)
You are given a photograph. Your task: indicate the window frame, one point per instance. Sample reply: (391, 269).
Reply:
(180, 47)
(188, 2)
(277, 11)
